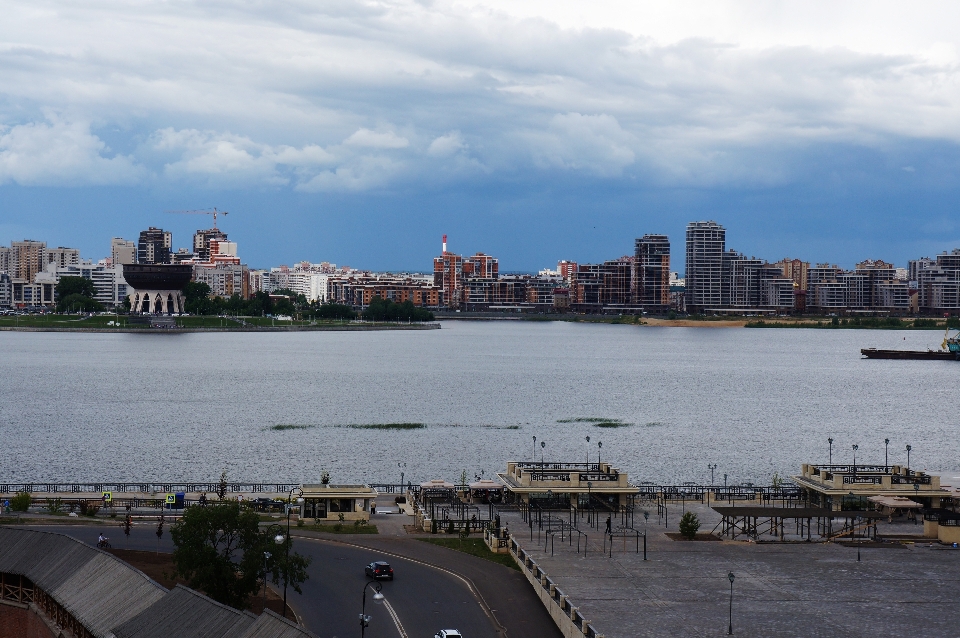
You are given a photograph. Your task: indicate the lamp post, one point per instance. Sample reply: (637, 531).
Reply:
(711, 468)
(916, 492)
(588, 453)
(855, 448)
(730, 577)
(886, 455)
(266, 557)
(377, 598)
(599, 447)
(646, 516)
(908, 457)
(589, 486)
(401, 467)
(830, 443)
(533, 459)
(543, 444)
(286, 560)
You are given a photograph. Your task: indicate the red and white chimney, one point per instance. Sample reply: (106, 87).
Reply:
(444, 244)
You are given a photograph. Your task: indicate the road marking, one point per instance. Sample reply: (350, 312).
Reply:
(499, 628)
(396, 620)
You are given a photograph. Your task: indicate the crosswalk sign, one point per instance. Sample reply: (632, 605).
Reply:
(171, 499)
(108, 496)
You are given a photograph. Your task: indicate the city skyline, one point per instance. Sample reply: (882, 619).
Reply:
(360, 133)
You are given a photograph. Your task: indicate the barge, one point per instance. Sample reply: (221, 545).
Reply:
(949, 351)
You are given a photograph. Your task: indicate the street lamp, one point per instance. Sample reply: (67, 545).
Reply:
(711, 468)
(730, 577)
(588, 453)
(543, 444)
(908, 457)
(401, 468)
(533, 459)
(589, 486)
(855, 448)
(266, 557)
(830, 443)
(599, 447)
(377, 598)
(286, 563)
(886, 455)
(646, 517)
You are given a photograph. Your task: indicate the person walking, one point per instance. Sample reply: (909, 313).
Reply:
(609, 522)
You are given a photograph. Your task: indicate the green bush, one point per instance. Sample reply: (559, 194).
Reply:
(20, 502)
(689, 524)
(55, 505)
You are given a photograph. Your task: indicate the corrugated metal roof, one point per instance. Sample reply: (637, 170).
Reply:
(185, 613)
(96, 588)
(114, 600)
(271, 625)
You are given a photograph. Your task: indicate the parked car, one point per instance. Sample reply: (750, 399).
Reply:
(267, 505)
(448, 633)
(378, 570)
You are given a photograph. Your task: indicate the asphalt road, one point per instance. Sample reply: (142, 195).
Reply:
(425, 599)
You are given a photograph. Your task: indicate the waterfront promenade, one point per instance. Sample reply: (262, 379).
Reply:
(780, 589)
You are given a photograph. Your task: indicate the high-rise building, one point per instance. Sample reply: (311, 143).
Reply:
(652, 278)
(450, 271)
(796, 270)
(5, 256)
(154, 246)
(123, 251)
(706, 245)
(201, 242)
(61, 257)
(26, 259)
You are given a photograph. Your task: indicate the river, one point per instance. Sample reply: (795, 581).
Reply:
(178, 407)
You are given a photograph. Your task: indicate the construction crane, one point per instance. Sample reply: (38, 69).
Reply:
(213, 212)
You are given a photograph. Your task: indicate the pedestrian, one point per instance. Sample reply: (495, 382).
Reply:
(608, 525)
(373, 509)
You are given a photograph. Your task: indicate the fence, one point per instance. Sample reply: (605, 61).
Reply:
(568, 618)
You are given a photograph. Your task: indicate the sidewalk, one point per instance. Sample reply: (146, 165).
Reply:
(793, 589)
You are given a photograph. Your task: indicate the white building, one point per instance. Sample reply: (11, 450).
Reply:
(111, 288)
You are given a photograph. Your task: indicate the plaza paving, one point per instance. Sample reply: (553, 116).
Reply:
(780, 589)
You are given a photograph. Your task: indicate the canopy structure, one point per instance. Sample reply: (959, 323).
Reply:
(437, 484)
(898, 502)
(486, 484)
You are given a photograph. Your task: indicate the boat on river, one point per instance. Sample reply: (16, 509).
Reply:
(949, 351)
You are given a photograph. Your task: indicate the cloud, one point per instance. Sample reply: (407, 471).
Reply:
(446, 145)
(60, 153)
(366, 138)
(356, 95)
(576, 142)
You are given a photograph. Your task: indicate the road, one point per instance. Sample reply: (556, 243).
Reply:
(425, 599)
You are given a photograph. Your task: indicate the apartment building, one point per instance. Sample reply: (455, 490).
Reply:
(652, 272)
(123, 251)
(706, 247)
(154, 246)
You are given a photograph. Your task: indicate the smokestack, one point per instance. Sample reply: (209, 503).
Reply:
(444, 243)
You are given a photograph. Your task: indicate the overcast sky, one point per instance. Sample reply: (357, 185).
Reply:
(359, 132)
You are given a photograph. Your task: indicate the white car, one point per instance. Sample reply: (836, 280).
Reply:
(448, 633)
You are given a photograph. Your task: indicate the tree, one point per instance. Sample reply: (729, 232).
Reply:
(386, 310)
(77, 293)
(689, 524)
(220, 551)
(75, 286)
(80, 303)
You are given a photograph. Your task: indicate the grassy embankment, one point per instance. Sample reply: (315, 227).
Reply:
(857, 323)
(475, 547)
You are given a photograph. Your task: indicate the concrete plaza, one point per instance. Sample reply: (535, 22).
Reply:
(780, 589)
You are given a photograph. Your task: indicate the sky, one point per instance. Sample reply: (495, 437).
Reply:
(358, 132)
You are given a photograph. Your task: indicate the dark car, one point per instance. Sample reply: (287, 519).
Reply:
(267, 505)
(378, 570)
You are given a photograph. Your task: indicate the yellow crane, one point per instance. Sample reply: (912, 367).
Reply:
(213, 212)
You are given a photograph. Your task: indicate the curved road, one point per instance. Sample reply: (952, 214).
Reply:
(425, 599)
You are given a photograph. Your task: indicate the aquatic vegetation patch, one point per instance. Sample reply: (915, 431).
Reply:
(612, 424)
(588, 419)
(387, 426)
(280, 427)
